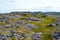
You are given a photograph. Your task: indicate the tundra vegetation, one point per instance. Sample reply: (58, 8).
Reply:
(22, 25)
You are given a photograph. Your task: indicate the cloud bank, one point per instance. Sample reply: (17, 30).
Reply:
(29, 5)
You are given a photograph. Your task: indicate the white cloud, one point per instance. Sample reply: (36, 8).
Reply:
(29, 5)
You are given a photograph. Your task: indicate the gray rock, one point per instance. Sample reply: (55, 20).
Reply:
(29, 26)
(58, 22)
(36, 36)
(58, 28)
(56, 35)
(3, 37)
(52, 25)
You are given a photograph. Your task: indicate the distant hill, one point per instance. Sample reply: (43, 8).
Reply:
(50, 13)
(53, 13)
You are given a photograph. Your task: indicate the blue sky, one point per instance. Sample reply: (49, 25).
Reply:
(29, 5)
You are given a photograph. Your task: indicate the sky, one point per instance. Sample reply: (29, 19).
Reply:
(29, 5)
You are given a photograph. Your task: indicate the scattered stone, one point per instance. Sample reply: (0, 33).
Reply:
(56, 35)
(58, 22)
(51, 25)
(3, 37)
(43, 16)
(36, 36)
